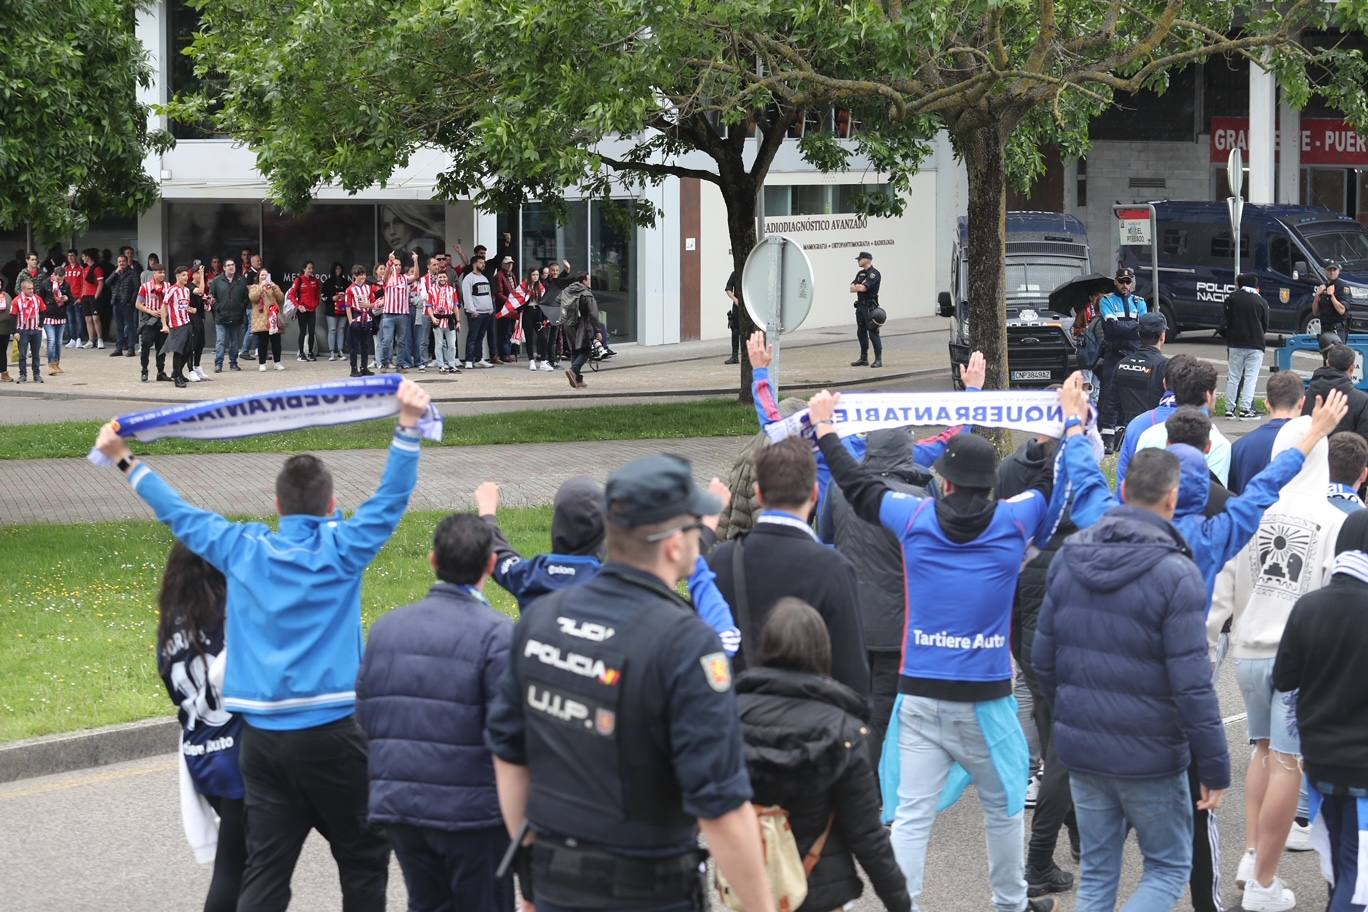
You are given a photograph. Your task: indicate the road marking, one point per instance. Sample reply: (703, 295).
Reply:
(110, 776)
(1238, 717)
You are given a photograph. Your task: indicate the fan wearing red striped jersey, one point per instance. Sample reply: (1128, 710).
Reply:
(175, 319)
(28, 307)
(149, 305)
(360, 308)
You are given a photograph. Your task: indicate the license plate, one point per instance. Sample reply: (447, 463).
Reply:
(1031, 375)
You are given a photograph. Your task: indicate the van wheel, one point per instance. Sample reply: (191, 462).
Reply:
(1310, 324)
(1174, 330)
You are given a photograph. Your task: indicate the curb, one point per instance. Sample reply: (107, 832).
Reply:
(84, 749)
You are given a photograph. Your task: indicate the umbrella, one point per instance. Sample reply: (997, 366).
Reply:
(1072, 296)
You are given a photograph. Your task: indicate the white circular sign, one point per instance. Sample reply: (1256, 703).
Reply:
(777, 283)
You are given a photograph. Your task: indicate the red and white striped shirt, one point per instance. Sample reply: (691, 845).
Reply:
(28, 307)
(442, 300)
(360, 297)
(151, 295)
(396, 295)
(58, 300)
(177, 300)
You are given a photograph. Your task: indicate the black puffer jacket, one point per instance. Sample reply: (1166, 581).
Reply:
(806, 752)
(1323, 380)
(1015, 475)
(876, 554)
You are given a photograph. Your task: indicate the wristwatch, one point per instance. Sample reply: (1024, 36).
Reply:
(125, 464)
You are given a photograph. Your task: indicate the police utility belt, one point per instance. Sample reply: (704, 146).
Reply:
(564, 872)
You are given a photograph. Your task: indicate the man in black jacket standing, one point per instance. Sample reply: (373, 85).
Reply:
(781, 556)
(1337, 374)
(427, 680)
(877, 558)
(1246, 324)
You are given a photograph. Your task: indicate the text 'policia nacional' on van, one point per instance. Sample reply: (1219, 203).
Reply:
(1287, 246)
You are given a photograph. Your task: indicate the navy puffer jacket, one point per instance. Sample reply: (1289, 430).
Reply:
(429, 673)
(1121, 654)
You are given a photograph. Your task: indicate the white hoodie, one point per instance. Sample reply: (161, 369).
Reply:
(1289, 556)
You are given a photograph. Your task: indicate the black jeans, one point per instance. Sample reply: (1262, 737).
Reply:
(196, 350)
(4, 352)
(360, 346)
(480, 327)
(734, 324)
(883, 688)
(153, 338)
(1205, 881)
(265, 340)
(1054, 802)
(1109, 403)
(307, 342)
(314, 778)
(867, 331)
(231, 856)
(446, 870)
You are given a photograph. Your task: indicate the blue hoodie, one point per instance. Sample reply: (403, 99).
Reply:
(1213, 540)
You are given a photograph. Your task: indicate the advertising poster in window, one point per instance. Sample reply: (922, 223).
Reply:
(324, 233)
(410, 226)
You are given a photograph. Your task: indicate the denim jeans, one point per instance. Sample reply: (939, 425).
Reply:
(248, 337)
(447, 352)
(227, 338)
(75, 324)
(55, 333)
(1341, 819)
(336, 336)
(1242, 364)
(127, 340)
(1160, 812)
(933, 735)
(393, 335)
(30, 340)
(418, 340)
(479, 330)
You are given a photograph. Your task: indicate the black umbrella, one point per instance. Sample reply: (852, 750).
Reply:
(1073, 295)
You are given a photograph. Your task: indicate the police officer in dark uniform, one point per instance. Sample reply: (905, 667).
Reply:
(1139, 378)
(615, 731)
(866, 290)
(1331, 304)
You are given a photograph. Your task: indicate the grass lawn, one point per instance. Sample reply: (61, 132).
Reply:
(80, 613)
(646, 421)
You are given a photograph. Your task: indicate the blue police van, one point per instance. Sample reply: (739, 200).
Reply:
(1287, 246)
(1044, 250)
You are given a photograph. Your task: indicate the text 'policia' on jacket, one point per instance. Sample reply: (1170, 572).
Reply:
(294, 596)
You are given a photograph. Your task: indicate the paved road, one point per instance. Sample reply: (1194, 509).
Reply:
(110, 838)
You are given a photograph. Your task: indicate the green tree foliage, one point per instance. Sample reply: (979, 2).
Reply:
(72, 133)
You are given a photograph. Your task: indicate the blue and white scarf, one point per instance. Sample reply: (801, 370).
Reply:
(320, 405)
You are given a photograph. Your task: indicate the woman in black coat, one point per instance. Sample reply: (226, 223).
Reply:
(807, 752)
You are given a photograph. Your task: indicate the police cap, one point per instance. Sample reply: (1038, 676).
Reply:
(656, 488)
(1125, 272)
(1153, 323)
(864, 255)
(1332, 264)
(969, 461)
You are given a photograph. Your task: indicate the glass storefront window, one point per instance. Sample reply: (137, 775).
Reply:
(1324, 187)
(325, 233)
(543, 241)
(612, 263)
(412, 226)
(778, 201)
(205, 230)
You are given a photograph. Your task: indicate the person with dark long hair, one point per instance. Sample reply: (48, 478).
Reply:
(190, 651)
(806, 751)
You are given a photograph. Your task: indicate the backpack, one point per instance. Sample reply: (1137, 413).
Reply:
(569, 308)
(1090, 346)
(785, 870)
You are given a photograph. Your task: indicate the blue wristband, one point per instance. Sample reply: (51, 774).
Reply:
(1072, 423)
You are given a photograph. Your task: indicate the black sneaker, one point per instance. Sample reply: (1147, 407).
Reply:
(365, 372)
(144, 375)
(181, 382)
(1040, 905)
(732, 360)
(218, 368)
(356, 373)
(162, 377)
(1054, 880)
(863, 362)
(116, 354)
(234, 366)
(1229, 415)
(1247, 414)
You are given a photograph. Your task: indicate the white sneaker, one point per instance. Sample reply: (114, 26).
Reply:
(533, 365)
(546, 366)
(101, 345)
(200, 371)
(299, 357)
(192, 376)
(1298, 839)
(1245, 872)
(262, 368)
(1273, 898)
(88, 345)
(1032, 791)
(483, 363)
(71, 343)
(468, 365)
(279, 366)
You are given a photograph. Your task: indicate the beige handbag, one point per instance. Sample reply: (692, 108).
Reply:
(786, 872)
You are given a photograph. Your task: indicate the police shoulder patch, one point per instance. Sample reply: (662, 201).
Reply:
(717, 670)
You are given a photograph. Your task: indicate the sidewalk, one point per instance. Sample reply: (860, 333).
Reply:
(95, 386)
(244, 483)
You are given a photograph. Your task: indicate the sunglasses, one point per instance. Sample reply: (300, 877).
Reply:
(1125, 281)
(661, 536)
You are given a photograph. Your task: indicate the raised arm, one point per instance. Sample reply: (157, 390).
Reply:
(506, 560)
(864, 490)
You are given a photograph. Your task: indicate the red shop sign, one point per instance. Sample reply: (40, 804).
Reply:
(1324, 141)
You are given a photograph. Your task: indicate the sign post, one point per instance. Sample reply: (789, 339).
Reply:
(1136, 227)
(1235, 203)
(776, 285)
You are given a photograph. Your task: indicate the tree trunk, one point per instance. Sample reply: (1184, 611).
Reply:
(982, 146)
(739, 192)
